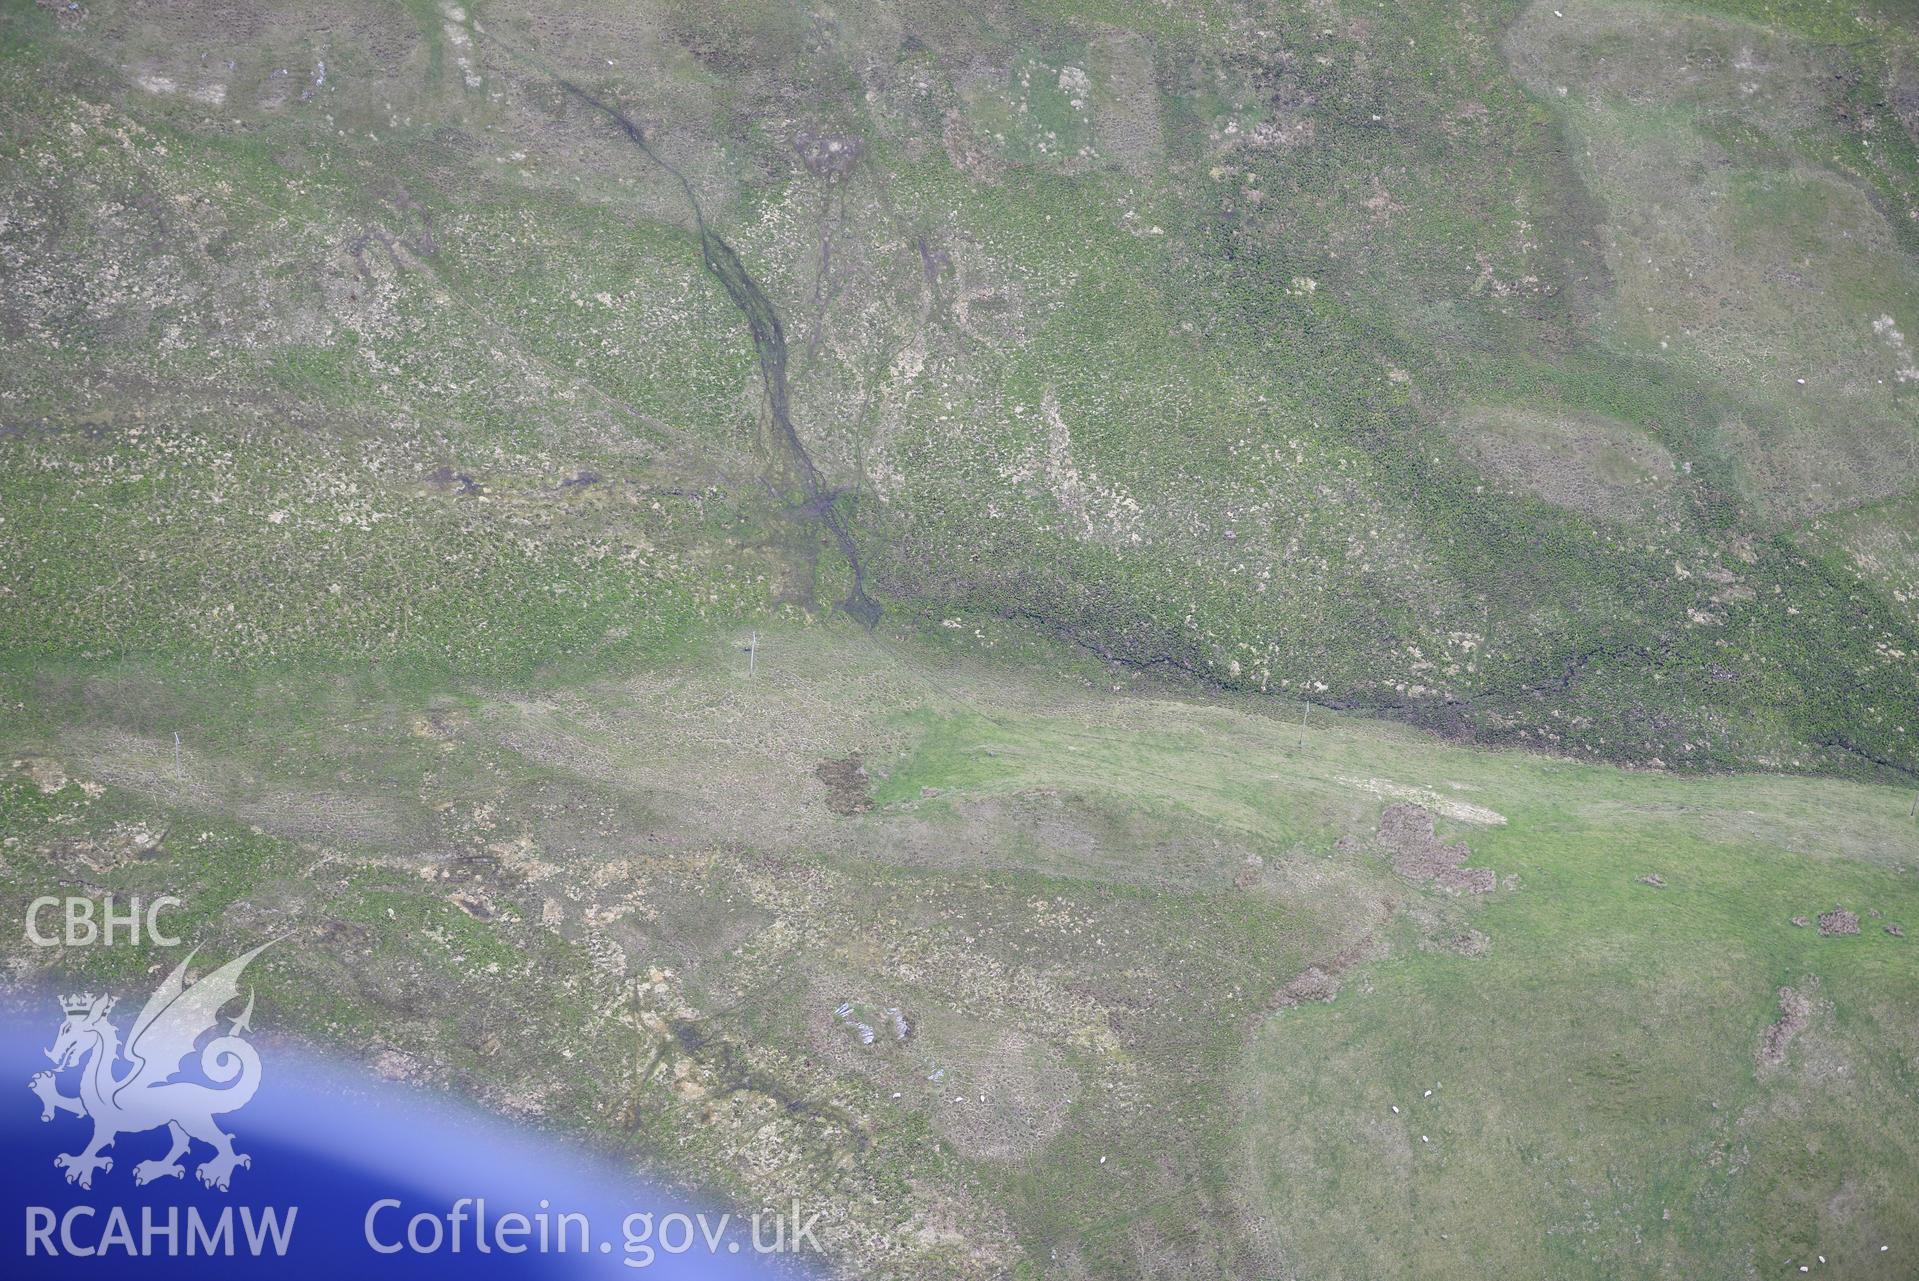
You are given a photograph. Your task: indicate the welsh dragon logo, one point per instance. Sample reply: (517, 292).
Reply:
(143, 1095)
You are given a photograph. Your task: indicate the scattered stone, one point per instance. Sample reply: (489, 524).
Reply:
(1419, 854)
(1838, 921)
(1653, 879)
(1795, 1011)
(1801, 922)
(845, 779)
(477, 906)
(831, 156)
(1895, 931)
(68, 13)
(46, 775)
(1468, 943)
(126, 843)
(446, 480)
(1314, 984)
(398, 1065)
(967, 153)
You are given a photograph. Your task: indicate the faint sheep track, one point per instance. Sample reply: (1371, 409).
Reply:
(769, 342)
(1573, 668)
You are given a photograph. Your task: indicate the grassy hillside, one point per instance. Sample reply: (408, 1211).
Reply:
(1499, 370)
(1166, 956)
(652, 521)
